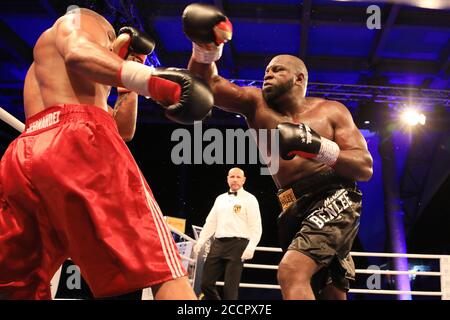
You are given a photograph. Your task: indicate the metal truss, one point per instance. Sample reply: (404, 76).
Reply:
(365, 93)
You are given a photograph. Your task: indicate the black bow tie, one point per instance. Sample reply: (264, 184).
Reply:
(232, 192)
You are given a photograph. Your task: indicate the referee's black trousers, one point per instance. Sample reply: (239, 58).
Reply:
(224, 258)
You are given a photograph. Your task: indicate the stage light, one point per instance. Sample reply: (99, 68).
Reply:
(418, 268)
(427, 4)
(412, 117)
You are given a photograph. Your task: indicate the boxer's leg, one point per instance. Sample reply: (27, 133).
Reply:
(114, 229)
(29, 253)
(330, 292)
(294, 276)
(21, 257)
(176, 289)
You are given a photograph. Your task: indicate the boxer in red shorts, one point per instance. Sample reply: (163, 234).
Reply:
(69, 187)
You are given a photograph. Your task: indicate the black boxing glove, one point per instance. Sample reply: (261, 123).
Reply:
(301, 140)
(185, 97)
(132, 45)
(136, 43)
(196, 98)
(208, 28)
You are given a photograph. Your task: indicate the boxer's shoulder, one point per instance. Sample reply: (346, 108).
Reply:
(332, 104)
(328, 108)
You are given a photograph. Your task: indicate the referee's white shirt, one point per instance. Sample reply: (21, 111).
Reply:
(234, 216)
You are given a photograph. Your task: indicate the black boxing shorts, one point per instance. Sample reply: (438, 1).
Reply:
(320, 219)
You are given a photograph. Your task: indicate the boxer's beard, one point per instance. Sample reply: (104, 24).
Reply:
(271, 93)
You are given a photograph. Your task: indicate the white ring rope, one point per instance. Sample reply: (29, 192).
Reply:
(11, 120)
(397, 292)
(357, 271)
(260, 266)
(253, 285)
(397, 255)
(360, 271)
(412, 272)
(188, 259)
(374, 291)
(181, 234)
(268, 249)
(372, 254)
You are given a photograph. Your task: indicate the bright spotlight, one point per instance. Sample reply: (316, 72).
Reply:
(422, 119)
(413, 118)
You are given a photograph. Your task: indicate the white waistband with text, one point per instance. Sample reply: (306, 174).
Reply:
(44, 122)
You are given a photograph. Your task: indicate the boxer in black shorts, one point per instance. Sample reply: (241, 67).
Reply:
(321, 220)
(318, 141)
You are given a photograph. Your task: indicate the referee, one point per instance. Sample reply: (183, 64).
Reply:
(235, 223)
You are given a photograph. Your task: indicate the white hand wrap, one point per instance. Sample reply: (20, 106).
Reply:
(135, 76)
(206, 56)
(328, 153)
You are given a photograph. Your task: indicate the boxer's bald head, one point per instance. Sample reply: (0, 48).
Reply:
(99, 18)
(294, 62)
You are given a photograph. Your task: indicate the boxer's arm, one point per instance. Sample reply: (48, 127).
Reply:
(209, 30)
(227, 96)
(354, 161)
(185, 98)
(125, 108)
(125, 114)
(84, 49)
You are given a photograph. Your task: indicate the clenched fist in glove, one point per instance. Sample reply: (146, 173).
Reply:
(132, 45)
(208, 28)
(301, 140)
(185, 97)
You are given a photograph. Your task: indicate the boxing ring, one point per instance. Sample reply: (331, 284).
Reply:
(191, 263)
(443, 273)
(194, 264)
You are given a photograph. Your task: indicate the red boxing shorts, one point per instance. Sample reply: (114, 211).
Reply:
(69, 187)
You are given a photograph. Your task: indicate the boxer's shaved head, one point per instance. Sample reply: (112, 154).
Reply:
(87, 12)
(297, 64)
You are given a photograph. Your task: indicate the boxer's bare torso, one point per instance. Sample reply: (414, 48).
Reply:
(317, 113)
(314, 114)
(50, 81)
(330, 119)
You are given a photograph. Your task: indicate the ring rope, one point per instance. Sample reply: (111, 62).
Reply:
(360, 271)
(372, 254)
(374, 291)
(11, 120)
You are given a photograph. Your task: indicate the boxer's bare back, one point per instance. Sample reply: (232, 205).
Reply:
(55, 78)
